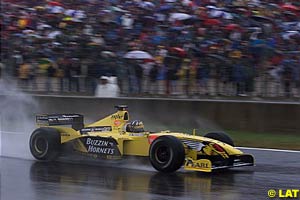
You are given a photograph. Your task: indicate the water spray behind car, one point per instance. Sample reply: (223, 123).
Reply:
(16, 119)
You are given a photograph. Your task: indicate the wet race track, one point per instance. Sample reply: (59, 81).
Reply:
(30, 180)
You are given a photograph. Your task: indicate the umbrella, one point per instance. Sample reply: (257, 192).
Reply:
(241, 10)
(34, 36)
(147, 4)
(44, 63)
(212, 22)
(290, 7)
(43, 26)
(273, 6)
(70, 12)
(30, 9)
(227, 15)
(178, 50)
(289, 14)
(149, 18)
(262, 19)
(137, 55)
(287, 35)
(165, 7)
(39, 8)
(107, 54)
(57, 10)
(28, 31)
(55, 3)
(69, 20)
(216, 13)
(117, 9)
(53, 34)
(179, 16)
(56, 44)
(232, 27)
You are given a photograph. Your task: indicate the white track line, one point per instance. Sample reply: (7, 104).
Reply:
(11, 132)
(262, 149)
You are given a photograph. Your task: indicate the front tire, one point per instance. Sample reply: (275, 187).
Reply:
(223, 137)
(167, 154)
(45, 144)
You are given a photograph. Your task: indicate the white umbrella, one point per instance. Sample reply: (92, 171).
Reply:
(70, 12)
(57, 10)
(43, 26)
(108, 54)
(211, 7)
(298, 26)
(216, 13)
(179, 16)
(34, 36)
(53, 34)
(146, 4)
(28, 31)
(227, 15)
(137, 55)
(117, 9)
(287, 35)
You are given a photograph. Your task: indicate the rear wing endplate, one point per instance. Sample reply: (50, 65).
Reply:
(76, 120)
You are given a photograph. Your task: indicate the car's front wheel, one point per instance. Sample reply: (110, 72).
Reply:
(167, 154)
(45, 144)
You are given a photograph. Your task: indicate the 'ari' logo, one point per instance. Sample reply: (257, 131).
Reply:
(196, 164)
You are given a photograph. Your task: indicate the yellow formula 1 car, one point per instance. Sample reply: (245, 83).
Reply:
(115, 138)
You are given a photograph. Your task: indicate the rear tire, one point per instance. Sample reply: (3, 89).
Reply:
(223, 137)
(45, 144)
(167, 154)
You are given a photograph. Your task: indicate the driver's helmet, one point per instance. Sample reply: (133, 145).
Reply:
(135, 126)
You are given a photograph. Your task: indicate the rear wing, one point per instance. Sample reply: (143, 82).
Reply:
(76, 120)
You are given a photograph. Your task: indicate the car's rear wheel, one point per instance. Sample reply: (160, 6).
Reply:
(166, 154)
(45, 144)
(223, 137)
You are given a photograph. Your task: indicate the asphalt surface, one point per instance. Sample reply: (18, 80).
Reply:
(31, 180)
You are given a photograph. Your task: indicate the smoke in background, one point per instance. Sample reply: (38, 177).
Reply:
(168, 117)
(17, 120)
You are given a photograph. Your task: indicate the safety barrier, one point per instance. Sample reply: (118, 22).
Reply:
(277, 117)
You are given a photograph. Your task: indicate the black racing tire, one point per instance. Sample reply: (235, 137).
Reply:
(45, 144)
(223, 137)
(166, 154)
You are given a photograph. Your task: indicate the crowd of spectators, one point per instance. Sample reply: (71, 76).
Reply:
(206, 47)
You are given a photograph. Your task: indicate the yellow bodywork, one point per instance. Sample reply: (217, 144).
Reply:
(138, 144)
(131, 144)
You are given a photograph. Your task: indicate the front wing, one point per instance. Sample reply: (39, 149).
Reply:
(209, 165)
